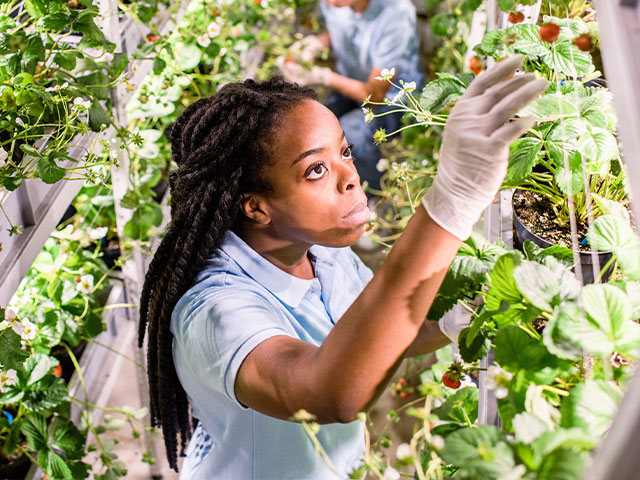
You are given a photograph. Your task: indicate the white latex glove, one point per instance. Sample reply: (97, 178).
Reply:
(296, 73)
(475, 146)
(307, 48)
(456, 320)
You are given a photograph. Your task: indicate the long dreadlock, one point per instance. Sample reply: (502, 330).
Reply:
(220, 145)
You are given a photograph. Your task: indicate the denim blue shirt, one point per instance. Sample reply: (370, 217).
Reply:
(238, 301)
(383, 36)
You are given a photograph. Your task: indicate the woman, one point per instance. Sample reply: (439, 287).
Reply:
(255, 308)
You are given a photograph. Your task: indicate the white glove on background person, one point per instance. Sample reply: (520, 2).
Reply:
(296, 73)
(307, 48)
(475, 147)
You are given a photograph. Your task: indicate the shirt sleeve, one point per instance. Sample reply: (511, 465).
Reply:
(217, 336)
(392, 46)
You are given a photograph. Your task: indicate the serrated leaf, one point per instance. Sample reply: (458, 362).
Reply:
(34, 428)
(543, 287)
(440, 92)
(65, 436)
(49, 171)
(559, 332)
(523, 156)
(490, 43)
(516, 351)
(462, 402)
(54, 465)
(11, 353)
(599, 147)
(464, 445)
(591, 406)
(571, 179)
(473, 350)
(98, 117)
(613, 234)
(567, 59)
(55, 21)
(65, 60)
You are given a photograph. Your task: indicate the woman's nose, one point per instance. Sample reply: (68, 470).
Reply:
(349, 177)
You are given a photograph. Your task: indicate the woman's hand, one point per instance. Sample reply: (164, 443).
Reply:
(475, 148)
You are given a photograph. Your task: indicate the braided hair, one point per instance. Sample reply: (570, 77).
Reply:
(221, 146)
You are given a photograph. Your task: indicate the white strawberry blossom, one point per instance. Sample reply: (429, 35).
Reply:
(437, 442)
(387, 74)
(28, 330)
(204, 41)
(85, 285)
(7, 378)
(3, 157)
(409, 87)
(382, 165)
(368, 115)
(391, 474)
(398, 96)
(80, 104)
(403, 451)
(498, 380)
(213, 29)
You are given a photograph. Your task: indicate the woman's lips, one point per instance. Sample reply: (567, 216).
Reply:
(358, 214)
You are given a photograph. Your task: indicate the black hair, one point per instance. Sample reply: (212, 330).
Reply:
(221, 146)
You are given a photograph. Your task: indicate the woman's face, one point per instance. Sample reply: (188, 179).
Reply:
(316, 195)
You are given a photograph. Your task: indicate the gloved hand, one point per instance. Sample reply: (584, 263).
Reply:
(294, 72)
(307, 48)
(475, 146)
(456, 320)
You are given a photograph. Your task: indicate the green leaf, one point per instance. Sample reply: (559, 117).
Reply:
(49, 171)
(504, 289)
(36, 367)
(64, 435)
(599, 147)
(34, 428)
(54, 465)
(454, 408)
(440, 92)
(490, 43)
(591, 406)
(158, 65)
(551, 108)
(468, 444)
(49, 333)
(571, 179)
(35, 8)
(65, 60)
(612, 234)
(543, 287)
(506, 5)
(563, 464)
(528, 40)
(55, 21)
(611, 207)
(516, 351)
(559, 332)
(522, 158)
(98, 117)
(118, 64)
(11, 355)
(608, 308)
(567, 59)
(97, 83)
(477, 349)
(537, 254)
(46, 394)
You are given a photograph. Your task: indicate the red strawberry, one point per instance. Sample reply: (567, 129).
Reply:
(549, 32)
(584, 42)
(57, 370)
(289, 60)
(448, 380)
(475, 66)
(516, 17)
(152, 38)
(257, 2)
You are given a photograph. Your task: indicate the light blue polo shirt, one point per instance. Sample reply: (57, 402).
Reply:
(239, 300)
(383, 36)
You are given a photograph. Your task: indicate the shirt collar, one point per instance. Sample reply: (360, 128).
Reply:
(286, 287)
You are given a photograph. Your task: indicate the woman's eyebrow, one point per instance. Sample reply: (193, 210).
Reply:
(313, 151)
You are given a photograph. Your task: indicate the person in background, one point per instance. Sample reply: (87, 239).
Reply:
(365, 36)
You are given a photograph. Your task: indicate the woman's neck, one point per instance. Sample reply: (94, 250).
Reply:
(284, 254)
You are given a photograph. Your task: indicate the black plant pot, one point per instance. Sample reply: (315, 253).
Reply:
(522, 233)
(15, 469)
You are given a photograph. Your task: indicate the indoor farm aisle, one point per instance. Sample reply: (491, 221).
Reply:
(551, 277)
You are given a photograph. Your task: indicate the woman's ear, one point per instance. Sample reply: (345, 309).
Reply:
(253, 207)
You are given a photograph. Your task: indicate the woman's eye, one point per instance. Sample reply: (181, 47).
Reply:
(316, 171)
(348, 153)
